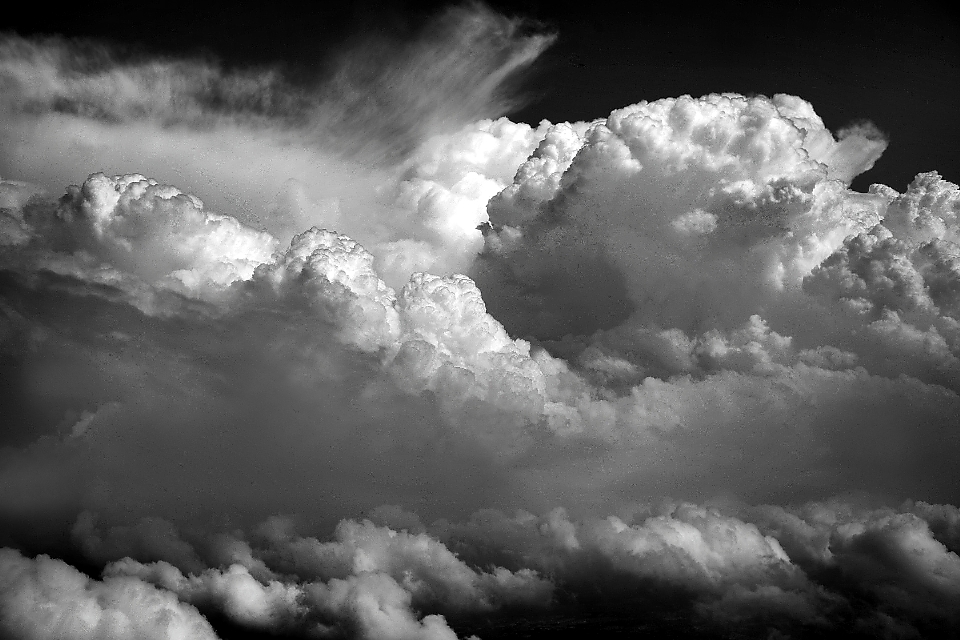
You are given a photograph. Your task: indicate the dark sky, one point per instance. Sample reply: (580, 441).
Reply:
(896, 64)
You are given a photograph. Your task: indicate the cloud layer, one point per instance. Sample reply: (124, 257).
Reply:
(451, 375)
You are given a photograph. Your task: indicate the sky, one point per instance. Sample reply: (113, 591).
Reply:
(429, 320)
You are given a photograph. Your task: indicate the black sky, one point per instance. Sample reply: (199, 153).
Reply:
(896, 64)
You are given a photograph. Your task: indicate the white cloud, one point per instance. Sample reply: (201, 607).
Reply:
(753, 172)
(46, 598)
(375, 606)
(574, 320)
(234, 591)
(434, 576)
(369, 579)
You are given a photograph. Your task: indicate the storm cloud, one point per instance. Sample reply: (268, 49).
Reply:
(360, 360)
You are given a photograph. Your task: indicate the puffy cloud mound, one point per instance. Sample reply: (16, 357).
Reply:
(451, 345)
(704, 209)
(943, 519)
(153, 231)
(440, 199)
(435, 577)
(334, 275)
(371, 581)
(907, 263)
(818, 566)
(890, 557)
(537, 180)
(46, 598)
(233, 591)
(900, 282)
(376, 607)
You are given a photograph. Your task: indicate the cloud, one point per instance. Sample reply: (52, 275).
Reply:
(896, 284)
(815, 565)
(241, 597)
(149, 539)
(280, 155)
(378, 608)
(154, 232)
(435, 577)
(714, 194)
(890, 555)
(318, 318)
(835, 564)
(369, 579)
(469, 358)
(943, 520)
(454, 72)
(46, 598)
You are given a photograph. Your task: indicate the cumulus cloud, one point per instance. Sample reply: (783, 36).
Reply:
(47, 598)
(809, 568)
(433, 575)
(149, 539)
(728, 200)
(151, 231)
(463, 388)
(370, 580)
(896, 284)
(889, 556)
(470, 368)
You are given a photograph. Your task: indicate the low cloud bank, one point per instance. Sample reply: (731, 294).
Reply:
(822, 566)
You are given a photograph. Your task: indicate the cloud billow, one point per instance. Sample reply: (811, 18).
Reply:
(661, 365)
